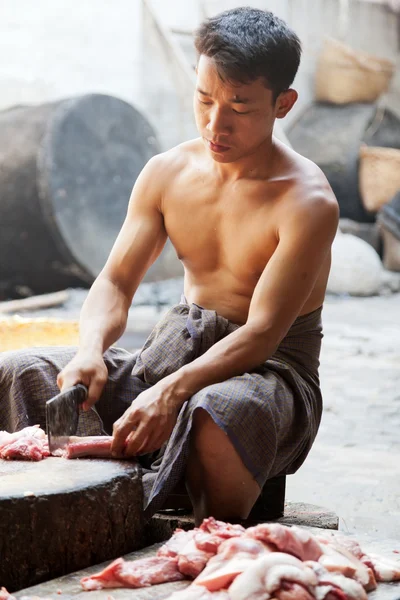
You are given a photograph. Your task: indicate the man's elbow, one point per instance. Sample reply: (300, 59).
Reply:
(264, 336)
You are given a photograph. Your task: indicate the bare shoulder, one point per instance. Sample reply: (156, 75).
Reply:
(166, 166)
(309, 195)
(157, 176)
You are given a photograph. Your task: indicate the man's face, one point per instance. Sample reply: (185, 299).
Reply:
(233, 119)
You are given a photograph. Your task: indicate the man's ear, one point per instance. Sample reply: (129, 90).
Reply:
(285, 102)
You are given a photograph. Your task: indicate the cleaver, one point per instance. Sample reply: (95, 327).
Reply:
(62, 414)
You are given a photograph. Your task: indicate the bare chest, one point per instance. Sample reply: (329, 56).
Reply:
(210, 230)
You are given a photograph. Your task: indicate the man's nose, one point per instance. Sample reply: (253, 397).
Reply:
(219, 122)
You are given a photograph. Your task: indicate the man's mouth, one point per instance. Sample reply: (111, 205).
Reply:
(218, 148)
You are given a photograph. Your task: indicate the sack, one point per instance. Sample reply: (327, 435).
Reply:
(379, 176)
(345, 75)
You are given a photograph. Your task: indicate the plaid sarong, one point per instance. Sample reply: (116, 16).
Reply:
(271, 415)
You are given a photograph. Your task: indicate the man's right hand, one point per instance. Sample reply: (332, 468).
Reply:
(88, 369)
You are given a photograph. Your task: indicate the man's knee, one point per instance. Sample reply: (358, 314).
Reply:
(13, 362)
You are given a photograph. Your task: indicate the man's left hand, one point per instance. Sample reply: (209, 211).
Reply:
(147, 423)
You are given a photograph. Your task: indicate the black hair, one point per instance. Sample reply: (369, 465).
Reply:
(247, 43)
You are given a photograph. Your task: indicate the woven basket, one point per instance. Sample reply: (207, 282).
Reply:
(345, 75)
(391, 250)
(17, 332)
(379, 176)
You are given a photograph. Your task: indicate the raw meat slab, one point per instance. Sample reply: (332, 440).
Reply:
(72, 590)
(59, 515)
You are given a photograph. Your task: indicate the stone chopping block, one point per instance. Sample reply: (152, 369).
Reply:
(59, 515)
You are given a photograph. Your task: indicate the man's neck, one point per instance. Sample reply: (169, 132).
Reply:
(256, 165)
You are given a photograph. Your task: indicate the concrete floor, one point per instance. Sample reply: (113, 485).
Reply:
(354, 465)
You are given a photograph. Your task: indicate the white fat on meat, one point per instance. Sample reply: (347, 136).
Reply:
(340, 583)
(176, 543)
(33, 431)
(191, 558)
(332, 586)
(209, 542)
(29, 443)
(334, 561)
(336, 538)
(221, 527)
(385, 568)
(211, 533)
(293, 540)
(234, 556)
(243, 546)
(264, 577)
(339, 560)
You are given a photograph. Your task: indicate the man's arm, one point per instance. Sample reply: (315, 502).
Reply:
(139, 243)
(105, 311)
(283, 289)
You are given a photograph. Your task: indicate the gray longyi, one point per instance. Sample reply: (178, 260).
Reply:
(271, 415)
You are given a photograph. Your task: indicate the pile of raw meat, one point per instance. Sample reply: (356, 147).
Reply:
(31, 444)
(28, 444)
(228, 562)
(266, 562)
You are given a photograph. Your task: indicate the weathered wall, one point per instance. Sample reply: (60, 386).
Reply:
(368, 26)
(52, 49)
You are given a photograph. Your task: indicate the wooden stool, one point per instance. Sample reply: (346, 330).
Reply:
(270, 504)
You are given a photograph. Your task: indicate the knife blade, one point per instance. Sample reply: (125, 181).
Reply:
(62, 415)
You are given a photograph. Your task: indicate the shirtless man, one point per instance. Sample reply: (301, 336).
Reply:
(252, 222)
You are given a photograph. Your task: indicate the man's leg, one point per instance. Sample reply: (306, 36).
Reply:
(218, 482)
(29, 377)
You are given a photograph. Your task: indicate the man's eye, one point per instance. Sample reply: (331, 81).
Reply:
(240, 113)
(204, 102)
